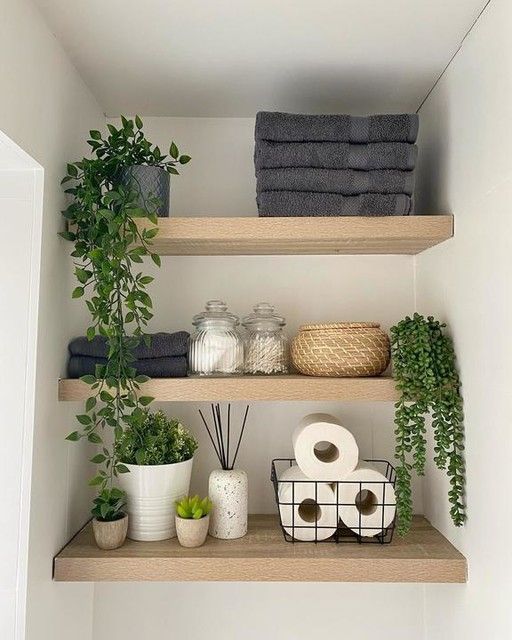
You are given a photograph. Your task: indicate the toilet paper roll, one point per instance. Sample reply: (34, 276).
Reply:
(366, 501)
(313, 502)
(323, 448)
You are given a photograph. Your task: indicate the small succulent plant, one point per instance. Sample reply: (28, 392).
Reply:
(192, 507)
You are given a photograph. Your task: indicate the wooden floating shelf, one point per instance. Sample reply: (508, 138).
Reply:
(296, 236)
(263, 555)
(252, 388)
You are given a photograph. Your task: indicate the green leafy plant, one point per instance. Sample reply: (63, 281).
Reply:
(109, 505)
(153, 438)
(424, 366)
(193, 507)
(108, 246)
(127, 146)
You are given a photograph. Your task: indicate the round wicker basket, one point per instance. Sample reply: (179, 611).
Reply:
(345, 349)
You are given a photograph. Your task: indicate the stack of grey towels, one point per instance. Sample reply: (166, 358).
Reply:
(335, 165)
(165, 357)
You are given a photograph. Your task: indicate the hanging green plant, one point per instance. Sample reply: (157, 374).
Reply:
(108, 246)
(425, 370)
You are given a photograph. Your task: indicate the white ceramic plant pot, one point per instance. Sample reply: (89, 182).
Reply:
(228, 491)
(152, 491)
(192, 533)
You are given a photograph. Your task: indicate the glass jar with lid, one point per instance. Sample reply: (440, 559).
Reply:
(216, 346)
(266, 346)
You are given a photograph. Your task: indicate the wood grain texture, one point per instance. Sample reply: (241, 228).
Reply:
(296, 236)
(263, 555)
(252, 388)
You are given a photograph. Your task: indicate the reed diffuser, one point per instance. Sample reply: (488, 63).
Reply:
(227, 486)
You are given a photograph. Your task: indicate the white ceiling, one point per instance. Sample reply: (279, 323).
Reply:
(235, 57)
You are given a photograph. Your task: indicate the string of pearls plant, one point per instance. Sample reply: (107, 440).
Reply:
(424, 366)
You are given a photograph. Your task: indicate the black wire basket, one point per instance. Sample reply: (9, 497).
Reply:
(347, 521)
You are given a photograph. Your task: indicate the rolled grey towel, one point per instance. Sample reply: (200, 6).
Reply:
(345, 181)
(304, 203)
(335, 155)
(162, 345)
(296, 127)
(153, 367)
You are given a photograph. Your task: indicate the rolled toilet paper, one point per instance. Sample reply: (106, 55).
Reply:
(302, 505)
(324, 449)
(366, 501)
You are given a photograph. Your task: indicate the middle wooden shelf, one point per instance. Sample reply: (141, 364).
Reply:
(253, 388)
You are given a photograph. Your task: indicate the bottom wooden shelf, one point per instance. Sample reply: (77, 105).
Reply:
(263, 555)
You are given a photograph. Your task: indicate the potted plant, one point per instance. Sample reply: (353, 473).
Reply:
(110, 522)
(227, 486)
(426, 375)
(145, 169)
(192, 520)
(109, 247)
(157, 452)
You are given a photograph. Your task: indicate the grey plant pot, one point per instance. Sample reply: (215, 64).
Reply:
(149, 182)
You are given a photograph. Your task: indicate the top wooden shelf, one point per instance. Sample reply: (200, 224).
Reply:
(301, 236)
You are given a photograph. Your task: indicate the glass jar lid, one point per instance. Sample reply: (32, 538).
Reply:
(263, 317)
(216, 313)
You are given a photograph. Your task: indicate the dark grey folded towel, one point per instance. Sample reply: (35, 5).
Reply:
(163, 345)
(345, 181)
(153, 367)
(335, 155)
(303, 203)
(295, 127)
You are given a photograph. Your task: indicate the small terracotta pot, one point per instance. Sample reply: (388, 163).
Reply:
(110, 535)
(192, 533)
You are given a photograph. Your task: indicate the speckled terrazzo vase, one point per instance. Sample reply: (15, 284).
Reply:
(228, 492)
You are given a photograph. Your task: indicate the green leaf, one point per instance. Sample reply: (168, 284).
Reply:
(73, 437)
(90, 403)
(94, 438)
(98, 458)
(173, 151)
(146, 280)
(96, 481)
(140, 379)
(95, 135)
(138, 122)
(91, 332)
(156, 259)
(78, 292)
(84, 419)
(67, 235)
(72, 170)
(145, 400)
(88, 379)
(184, 159)
(122, 468)
(174, 171)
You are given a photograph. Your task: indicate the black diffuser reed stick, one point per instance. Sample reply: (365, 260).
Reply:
(220, 435)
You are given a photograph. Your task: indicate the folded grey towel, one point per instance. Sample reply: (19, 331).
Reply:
(304, 203)
(345, 181)
(153, 367)
(296, 127)
(335, 155)
(162, 345)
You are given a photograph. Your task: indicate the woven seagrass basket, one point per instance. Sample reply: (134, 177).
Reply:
(345, 349)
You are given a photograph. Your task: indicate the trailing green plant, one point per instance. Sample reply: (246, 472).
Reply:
(109, 505)
(155, 439)
(108, 246)
(193, 507)
(424, 366)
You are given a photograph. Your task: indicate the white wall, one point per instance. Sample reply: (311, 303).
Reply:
(466, 168)
(219, 181)
(46, 108)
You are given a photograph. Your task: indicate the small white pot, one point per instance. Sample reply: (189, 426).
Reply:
(228, 491)
(192, 533)
(110, 535)
(152, 491)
